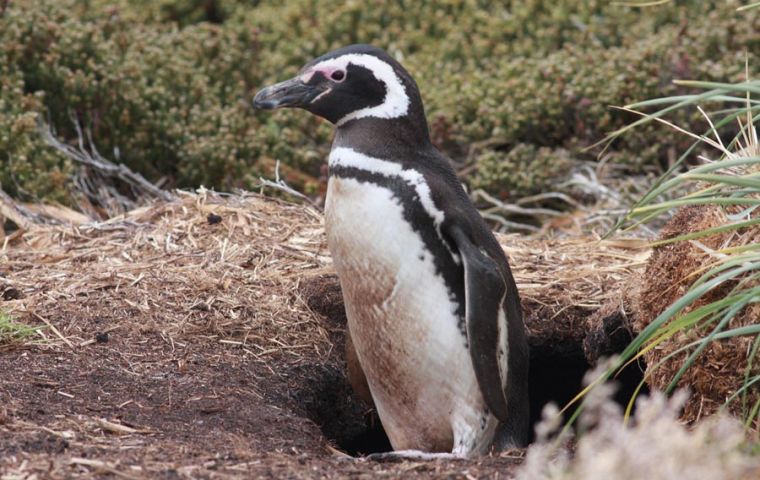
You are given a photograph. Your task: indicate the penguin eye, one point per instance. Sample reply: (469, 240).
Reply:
(338, 75)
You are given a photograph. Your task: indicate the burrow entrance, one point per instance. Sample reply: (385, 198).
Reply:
(355, 429)
(558, 366)
(558, 379)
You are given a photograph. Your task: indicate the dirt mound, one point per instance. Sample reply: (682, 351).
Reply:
(673, 268)
(205, 337)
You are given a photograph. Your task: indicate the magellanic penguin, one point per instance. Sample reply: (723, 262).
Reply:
(433, 311)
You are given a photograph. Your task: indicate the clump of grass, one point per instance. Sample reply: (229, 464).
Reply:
(13, 332)
(707, 337)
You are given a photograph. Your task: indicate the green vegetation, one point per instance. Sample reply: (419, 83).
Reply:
(706, 338)
(12, 332)
(167, 84)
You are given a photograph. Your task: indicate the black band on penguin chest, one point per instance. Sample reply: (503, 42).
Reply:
(423, 225)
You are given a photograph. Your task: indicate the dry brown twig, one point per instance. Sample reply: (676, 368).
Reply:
(53, 329)
(280, 184)
(16, 213)
(93, 188)
(102, 466)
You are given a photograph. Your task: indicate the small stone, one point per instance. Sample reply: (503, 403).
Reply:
(11, 293)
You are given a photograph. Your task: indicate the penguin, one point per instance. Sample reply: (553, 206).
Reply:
(433, 311)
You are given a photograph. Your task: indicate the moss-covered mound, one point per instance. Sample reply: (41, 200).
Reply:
(164, 86)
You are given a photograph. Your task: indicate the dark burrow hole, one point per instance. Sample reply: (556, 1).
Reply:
(558, 379)
(355, 429)
(329, 401)
(559, 361)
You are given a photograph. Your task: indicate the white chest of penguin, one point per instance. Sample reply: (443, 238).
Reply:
(403, 321)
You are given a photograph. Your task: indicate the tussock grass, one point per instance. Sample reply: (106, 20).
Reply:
(699, 305)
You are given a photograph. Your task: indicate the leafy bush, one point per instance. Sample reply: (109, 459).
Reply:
(166, 99)
(166, 84)
(25, 161)
(525, 168)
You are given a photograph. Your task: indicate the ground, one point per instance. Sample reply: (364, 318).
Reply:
(138, 406)
(203, 338)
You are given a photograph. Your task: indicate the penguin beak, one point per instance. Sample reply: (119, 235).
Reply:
(290, 93)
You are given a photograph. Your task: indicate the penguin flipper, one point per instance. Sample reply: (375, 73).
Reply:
(484, 289)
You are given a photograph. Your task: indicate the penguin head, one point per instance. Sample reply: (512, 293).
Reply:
(351, 83)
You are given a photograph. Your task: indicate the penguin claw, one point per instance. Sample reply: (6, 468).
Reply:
(384, 457)
(400, 455)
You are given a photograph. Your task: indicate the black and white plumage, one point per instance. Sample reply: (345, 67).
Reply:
(433, 311)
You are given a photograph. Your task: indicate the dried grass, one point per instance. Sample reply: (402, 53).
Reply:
(173, 268)
(563, 281)
(233, 281)
(248, 273)
(239, 280)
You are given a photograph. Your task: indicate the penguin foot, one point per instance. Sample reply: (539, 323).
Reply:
(400, 455)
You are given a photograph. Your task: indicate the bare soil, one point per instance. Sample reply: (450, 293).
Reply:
(192, 409)
(175, 345)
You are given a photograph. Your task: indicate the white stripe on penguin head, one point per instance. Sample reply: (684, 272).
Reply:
(396, 101)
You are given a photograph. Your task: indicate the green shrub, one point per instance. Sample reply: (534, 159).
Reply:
(25, 163)
(158, 95)
(524, 170)
(167, 84)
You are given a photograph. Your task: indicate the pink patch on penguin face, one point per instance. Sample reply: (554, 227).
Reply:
(306, 76)
(333, 73)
